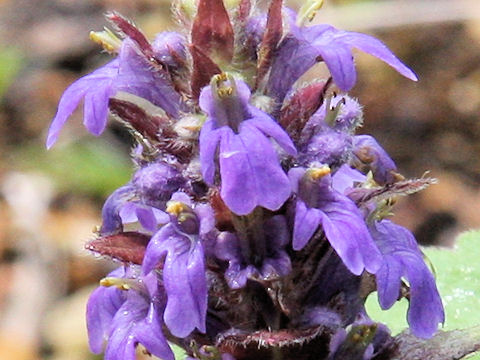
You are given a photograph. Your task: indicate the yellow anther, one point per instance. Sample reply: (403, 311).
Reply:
(318, 173)
(219, 78)
(308, 11)
(112, 281)
(107, 39)
(176, 208)
(220, 87)
(224, 92)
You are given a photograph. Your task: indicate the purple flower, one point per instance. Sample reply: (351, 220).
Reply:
(126, 317)
(301, 49)
(250, 171)
(184, 278)
(167, 43)
(130, 72)
(327, 138)
(340, 113)
(368, 153)
(156, 182)
(270, 265)
(142, 200)
(403, 258)
(319, 204)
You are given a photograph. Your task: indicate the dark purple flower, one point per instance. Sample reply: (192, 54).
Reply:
(340, 113)
(303, 47)
(250, 171)
(319, 204)
(125, 314)
(403, 258)
(180, 244)
(272, 264)
(167, 43)
(143, 199)
(156, 182)
(130, 72)
(327, 137)
(368, 153)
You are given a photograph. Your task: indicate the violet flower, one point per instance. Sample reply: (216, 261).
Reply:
(319, 204)
(249, 230)
(250, 171)
(402, 258)
(303, 46)
(128, 317)
(131, 73)
(143, 199)
(369, 154)
(180, 242)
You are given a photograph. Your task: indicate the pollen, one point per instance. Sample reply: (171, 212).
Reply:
(318, 173)
(120, 284)
(176, 208)
(107, 39)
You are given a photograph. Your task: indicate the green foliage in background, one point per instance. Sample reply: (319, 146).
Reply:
(11, 61)
(458, 280)
(88, 167)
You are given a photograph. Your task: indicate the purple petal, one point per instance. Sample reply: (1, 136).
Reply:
(348, 234)
(98, 82)
(306, 223)
(111, 219)
(341, 231)
(167, 42)
(426, 310)
(345, 178)
(368, 152)
(96, 109)
(101, 308)
(375, 47)
(250, 172)
(388, 284)
(208, 142)
(403, 258)
(137, 77)
(269, 127)
(122, 342)
(147, 218)
(227, 247)
(183, 277)
(185, 284)
(207, 218)
(339, 61)
(156, 182)
(293, 59)
(149, 333)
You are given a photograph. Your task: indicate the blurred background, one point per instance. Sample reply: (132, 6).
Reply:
(51, 201)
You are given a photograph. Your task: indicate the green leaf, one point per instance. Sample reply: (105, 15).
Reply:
(458, 280)
(89, 167)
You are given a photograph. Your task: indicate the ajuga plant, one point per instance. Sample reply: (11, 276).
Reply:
(256, 222)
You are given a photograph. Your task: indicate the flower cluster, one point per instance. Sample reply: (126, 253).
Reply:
(255, 225)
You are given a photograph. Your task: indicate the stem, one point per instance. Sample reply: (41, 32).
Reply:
(249, 229)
